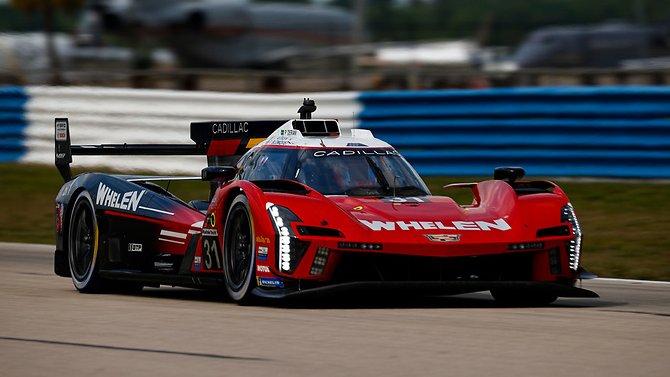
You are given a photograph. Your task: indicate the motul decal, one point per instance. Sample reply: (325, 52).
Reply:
(376, 225)
(109, 198)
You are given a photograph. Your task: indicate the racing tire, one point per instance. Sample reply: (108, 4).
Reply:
(239, 257)
(507, 297)
(83, 245)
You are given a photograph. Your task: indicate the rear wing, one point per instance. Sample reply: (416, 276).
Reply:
(224, 142)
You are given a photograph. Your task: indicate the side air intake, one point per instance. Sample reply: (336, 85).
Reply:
(309, 127)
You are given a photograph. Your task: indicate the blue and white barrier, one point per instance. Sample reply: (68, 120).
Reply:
(558, 131)
(13, 123)
(107, 116)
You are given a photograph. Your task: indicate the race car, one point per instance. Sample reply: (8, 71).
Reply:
(299, 207)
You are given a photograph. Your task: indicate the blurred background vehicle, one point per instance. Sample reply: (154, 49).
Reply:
(601, 46)
(219, 34)
(325, 45)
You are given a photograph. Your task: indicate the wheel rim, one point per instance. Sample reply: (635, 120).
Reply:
(239, 249)
(83, 241)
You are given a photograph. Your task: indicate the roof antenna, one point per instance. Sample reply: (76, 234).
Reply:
(307, 108)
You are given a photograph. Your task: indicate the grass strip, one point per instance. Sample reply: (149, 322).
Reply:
(626, 224)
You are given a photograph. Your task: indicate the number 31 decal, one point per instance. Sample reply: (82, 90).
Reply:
(210, 253)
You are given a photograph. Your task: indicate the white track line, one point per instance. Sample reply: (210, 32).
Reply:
(633, 281)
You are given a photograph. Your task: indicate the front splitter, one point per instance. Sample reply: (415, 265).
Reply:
(429, 288)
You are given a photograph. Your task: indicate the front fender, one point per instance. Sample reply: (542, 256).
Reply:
(263, 230)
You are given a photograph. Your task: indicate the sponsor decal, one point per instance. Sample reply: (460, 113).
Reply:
(281, 140)
(443, 237)
(261, 239)
(230, 128)
(270, 282)
(61, 131)
(261, 268)
(196, 263)
(109, 198)
(60, 155)
(409, 199)
(376, 225)
(135, 247)
(288, 132)
(262, 253)
(356, 152)
(207, 232)
(211, 220)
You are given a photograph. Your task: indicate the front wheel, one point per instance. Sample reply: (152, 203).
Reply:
(238, 251)
(83, 245)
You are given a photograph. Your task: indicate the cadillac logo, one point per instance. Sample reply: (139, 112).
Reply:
(443, 237)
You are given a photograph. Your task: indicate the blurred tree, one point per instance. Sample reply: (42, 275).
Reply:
(47, 9)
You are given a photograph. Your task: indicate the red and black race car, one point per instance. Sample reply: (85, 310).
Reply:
(299, 207)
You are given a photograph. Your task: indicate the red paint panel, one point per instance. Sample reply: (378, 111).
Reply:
(223, 147)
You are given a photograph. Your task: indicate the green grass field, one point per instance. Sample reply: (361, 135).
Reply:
(626, 224)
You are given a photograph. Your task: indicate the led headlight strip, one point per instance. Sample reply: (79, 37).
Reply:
(574, 245)
(290, 249)
(284, 231)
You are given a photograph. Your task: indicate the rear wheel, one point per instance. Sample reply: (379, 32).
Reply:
(238, 251)
(83, 245)
(523, 298)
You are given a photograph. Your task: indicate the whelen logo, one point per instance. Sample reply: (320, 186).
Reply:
(498, 224)
(109, 198)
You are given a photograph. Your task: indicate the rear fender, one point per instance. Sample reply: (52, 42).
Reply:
(68, 191)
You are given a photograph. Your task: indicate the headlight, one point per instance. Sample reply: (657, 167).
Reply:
(573, 246)
(290, 249)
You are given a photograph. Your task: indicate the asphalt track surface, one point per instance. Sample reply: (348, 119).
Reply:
(48, 329)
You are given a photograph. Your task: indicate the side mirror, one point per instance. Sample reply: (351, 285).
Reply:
(509, 174)
(223, 173)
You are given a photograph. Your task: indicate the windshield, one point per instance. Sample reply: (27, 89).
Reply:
(337, 171)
